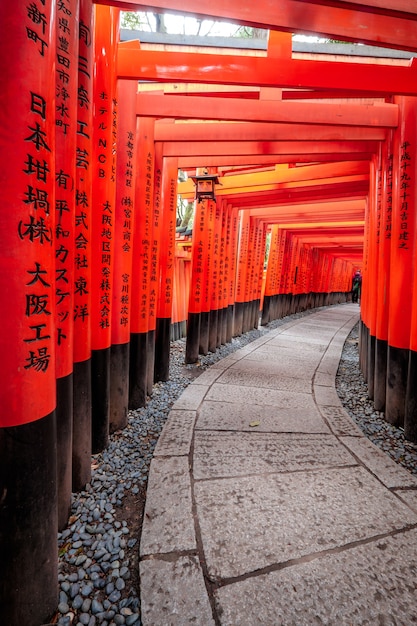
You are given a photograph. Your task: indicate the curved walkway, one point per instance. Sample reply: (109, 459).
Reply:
(266, 504)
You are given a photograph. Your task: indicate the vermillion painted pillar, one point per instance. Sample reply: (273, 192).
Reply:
(364, 322)
(166, 266)
(104, 199)
(203, 289)
(408, 177)
(222, 278)
(197, 284)
(123, 254)
(258, 275)
(81, 446)
(375, 208)
(402, 251)
(384, 230)
(213, 283)
(230, 268)
(28, 496)
(242, 268)
(139, 370)
(155, 239)
(162, 326)
(279, 301)
(271, 274)
(65, 143)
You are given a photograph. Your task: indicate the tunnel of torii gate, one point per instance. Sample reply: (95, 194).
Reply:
(301, 168)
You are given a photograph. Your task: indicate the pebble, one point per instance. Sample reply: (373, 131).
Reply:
(96, 566)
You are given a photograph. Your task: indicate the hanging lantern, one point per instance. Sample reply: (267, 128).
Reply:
(205, 181)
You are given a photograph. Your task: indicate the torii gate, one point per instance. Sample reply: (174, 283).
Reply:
(69, 206)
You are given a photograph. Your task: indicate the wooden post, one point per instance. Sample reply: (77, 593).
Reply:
(166, 266)
(384, 253)
(402, 251)
(123, 254)
(65, 143)
(28, 488)
(81, 448)
(104, 200)
(139, 370)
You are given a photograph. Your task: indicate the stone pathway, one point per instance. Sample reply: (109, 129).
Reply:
(266, 505)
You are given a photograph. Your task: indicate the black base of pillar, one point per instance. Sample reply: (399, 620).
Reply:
(162, 348)
(371, 366)
(238, 321)
(224, 326)
(220, 321)
(204, 332)
(150, 360)
(100, 386)
(138, 370)
(81, 426)
(397, 371)
(28, 523)
(410, 418)
(64, 408)
(380, 375)
(193, 338)
(213, 317)
(119, 386)
(266, 307)
(363, 350)
(230, 318)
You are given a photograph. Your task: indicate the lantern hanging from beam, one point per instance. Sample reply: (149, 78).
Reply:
(205, 180)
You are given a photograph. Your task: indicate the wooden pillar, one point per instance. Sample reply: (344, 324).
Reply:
(402, 256)
(230, 269)
(203, 279)
(166, 266)
(123, 254)
(81, 448)
(65, 143)
(375, 208)
(384, 253)
(139, 368)
(213, 283)
(197, 283)
(104, 200)
(28, 489)
(242, 268)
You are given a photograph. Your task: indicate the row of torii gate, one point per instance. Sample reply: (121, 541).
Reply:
(317, 157)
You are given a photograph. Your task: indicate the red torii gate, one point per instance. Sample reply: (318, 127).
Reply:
(273, 131)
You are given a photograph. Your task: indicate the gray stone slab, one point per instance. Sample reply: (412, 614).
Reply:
(339, 421)
(368, 585)
(326, 396)
(275, 368)
(329, 365)
(253, 395)
(176, 435)
(251, 377)
(253, 522)
(168, 524)
(191, 397)
(409, 496)
(325, 380)
(237, 416)
(229, 454)
(173, 593)
(291, 342)
(208, 376)
(379, 463)
(286, 357)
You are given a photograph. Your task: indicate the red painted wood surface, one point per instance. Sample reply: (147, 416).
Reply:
(27, 175)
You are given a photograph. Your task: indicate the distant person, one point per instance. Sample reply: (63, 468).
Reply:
(356, 287)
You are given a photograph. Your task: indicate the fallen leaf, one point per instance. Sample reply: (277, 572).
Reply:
(254, 424)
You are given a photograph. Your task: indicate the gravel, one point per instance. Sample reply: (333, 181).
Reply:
(98, 551)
